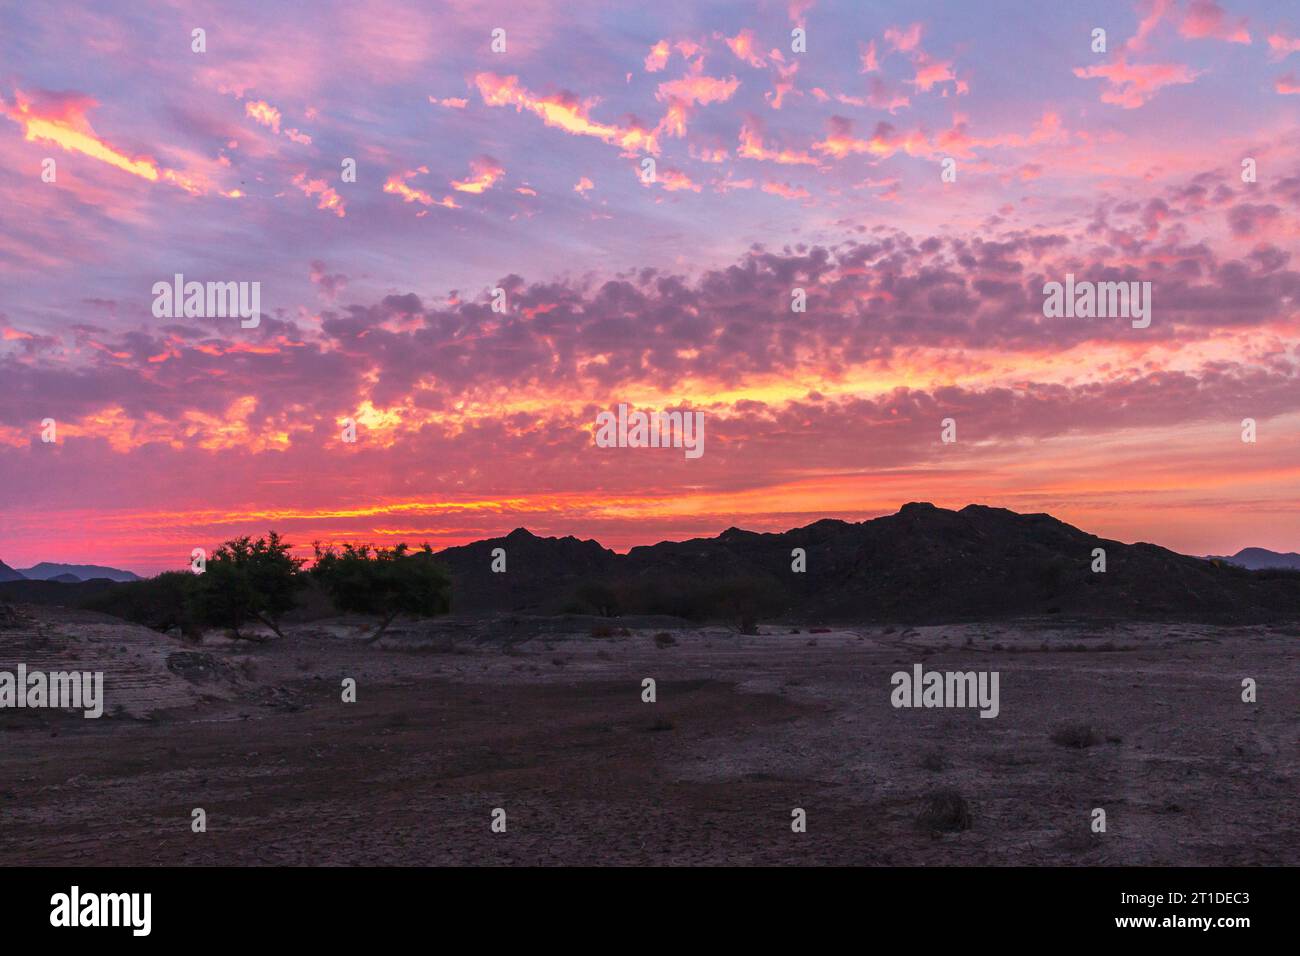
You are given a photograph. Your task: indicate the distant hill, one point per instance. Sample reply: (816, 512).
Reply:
(47, 571)
(921, 565)
(1258, 558)
(9, 574)
(54, 592)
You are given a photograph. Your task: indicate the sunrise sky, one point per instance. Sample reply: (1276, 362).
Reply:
(521, 170)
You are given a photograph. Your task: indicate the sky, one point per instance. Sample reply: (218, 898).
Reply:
(505, 265)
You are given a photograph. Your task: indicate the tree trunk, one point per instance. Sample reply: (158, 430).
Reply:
(382, 627)
(272, 625)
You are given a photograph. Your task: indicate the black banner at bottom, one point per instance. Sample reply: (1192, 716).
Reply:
(217, 905)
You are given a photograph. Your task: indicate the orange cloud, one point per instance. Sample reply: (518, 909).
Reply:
(485, 172)
(657, 58)
(329, 200)
(262, 112)
(396, 184)
(267, 115)
(752, 147)
(745, 47)
(1287, 85)
(884, 142)
(61, 119)
(674, 179)
(840, 141)
(562, 111)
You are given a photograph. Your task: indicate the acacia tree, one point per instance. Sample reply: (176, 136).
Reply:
(599, 596)
(247, 580)
(383, 582)
(742, 600)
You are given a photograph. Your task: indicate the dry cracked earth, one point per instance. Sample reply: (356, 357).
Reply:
(453, 719)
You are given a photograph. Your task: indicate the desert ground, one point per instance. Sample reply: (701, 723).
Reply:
(545, 719)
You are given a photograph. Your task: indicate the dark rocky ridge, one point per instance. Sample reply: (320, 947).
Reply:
(921, 565)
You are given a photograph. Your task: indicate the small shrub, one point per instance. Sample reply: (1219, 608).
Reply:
(944, 810)
(934, 762)
(664, 639)
(1076, 736)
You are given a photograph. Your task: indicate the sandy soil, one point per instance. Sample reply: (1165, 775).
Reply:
(456, 719)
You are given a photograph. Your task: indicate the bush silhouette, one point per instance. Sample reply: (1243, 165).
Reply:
(160, 603)
(383, 582)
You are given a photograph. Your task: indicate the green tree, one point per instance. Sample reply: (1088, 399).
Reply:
(249, 580)
(383, 582)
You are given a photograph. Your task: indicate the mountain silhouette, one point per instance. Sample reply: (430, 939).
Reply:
(1259, 558)
(922, 565)
(9, 574)
(49, 571)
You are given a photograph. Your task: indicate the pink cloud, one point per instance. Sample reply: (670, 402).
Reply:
(1205, 19)
(902, 39)
(1287, 85)
(1132, 85)
(1281, 46)
(868, 58)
